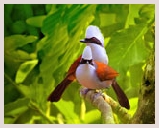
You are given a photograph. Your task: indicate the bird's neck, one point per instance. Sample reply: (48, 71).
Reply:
(99, 53)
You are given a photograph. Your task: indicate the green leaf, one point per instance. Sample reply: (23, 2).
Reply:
(67, 109)
(24, 70)
(134, 79)
(16, 41)
(36, 21)
(126, 48)
(16, 108)
(133, 13)
(133, 105)
(24, 89)
(18, 30)
(109, 21)
(148, 12)
(93, 116)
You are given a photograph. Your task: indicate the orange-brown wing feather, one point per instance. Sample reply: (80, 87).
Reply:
(105, 72)
(60, 88)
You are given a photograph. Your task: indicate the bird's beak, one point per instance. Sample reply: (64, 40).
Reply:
(84, 41)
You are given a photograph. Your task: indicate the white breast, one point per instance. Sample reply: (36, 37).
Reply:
(87, 77)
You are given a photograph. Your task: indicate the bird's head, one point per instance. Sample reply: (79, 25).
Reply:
(93, 35)
(87, 56)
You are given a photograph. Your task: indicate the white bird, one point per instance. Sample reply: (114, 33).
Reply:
(96, 75)
(89, 73)
(94, 38)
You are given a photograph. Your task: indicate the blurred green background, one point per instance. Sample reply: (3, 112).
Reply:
(42, 41)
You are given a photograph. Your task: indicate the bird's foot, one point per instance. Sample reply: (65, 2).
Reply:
(84, 91)
(97, 94)
(93, 93)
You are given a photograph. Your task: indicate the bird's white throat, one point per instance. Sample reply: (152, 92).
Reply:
(87, 53)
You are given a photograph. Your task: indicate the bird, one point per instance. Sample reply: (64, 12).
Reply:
(95, 39)
(96, 75)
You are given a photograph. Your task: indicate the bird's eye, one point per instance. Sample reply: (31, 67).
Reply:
(84, 61)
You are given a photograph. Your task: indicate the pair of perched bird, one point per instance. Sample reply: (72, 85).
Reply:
(91, 69)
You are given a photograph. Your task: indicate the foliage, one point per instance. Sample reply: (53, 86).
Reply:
(42, 41)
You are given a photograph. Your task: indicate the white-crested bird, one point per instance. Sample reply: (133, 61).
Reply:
(96, 75)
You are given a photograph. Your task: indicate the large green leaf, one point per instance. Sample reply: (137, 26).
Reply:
(126, 48)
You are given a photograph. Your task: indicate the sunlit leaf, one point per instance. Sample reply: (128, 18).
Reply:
(125, 49)
(24, 89)
(147, 12)
(16, 41)
(93, 116)
(36, 21)
(133, 104)
(67, 109)
(24, 70)
(133, 13)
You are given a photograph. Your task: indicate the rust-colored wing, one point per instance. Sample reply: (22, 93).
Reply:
(105, 72)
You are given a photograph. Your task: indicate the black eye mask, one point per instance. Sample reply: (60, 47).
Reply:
(84, 61)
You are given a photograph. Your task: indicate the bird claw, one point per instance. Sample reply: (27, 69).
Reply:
(97, 94)
(84, 91)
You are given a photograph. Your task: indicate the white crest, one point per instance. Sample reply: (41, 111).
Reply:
(87, 53)
(94, 31)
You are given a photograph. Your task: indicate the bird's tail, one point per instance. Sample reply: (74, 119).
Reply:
(122, 98)
(57, 93)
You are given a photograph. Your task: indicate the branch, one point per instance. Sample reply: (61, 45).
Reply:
(106, 104)
(99, 102)
(120, 111)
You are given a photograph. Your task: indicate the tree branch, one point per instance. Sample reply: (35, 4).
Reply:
(98, 101)
(106, 104)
